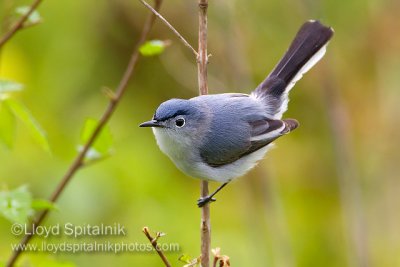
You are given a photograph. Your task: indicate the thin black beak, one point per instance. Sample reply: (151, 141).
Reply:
(152, 123)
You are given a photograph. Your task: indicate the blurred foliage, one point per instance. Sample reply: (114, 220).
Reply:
(102, 146)
(10, 108)
(152, 48)
(190, 261)
(294, 209)
(33, 18)
(17, 205)
(9, 86)
(25, 116)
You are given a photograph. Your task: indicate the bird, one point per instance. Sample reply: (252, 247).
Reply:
(219, 137)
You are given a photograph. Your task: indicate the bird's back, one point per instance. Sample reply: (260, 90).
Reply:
(230, 130)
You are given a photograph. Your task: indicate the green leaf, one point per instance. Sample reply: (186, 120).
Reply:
(33, 18)
(7, 125)
(33, 126)
(185, 258)
(152, 48)
(102, 146)
(16, 205)
(190, 262)
(43, 204)
(7, 86)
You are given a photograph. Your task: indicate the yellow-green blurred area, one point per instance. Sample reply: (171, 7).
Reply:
(327, 195)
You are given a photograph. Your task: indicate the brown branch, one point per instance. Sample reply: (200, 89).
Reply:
(19, 24)
(153, 241)
(203, 57)
(79, 160)
(205, 227)
(186, 43)
(202, 62)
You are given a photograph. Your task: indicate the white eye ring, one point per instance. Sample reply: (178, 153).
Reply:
(180, 122)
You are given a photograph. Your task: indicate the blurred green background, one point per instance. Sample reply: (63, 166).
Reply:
(327, 195)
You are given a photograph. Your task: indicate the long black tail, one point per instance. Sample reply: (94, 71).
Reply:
(307, 48)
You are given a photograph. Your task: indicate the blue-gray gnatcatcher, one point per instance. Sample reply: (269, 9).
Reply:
(222, 136)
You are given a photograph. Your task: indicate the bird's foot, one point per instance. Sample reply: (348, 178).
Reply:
(204, 200)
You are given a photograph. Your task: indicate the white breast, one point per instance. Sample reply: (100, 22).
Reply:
(189, 162)
(177, 148)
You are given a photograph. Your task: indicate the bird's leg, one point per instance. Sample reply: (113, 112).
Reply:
(204, 200)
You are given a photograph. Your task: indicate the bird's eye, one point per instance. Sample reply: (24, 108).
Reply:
(180, 122)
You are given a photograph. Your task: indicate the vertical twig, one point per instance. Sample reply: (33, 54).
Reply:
(205, 227)
(202, 62)
(153, 241)
(202, 59)
(78, 162)
(19, 24)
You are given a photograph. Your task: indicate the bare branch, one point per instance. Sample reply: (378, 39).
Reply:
(153, 241)
(186, 43)
(202, 62)
(19, 24)
(79, 160)
(203, 56)
(205, 227)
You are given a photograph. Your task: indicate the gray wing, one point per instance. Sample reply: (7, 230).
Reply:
(233, 137)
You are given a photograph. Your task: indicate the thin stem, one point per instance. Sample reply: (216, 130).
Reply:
(203, 57)
(202, 61)
(186, 43)
(153, 241)
(19, 24)
(205, 228)
(78, 162)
